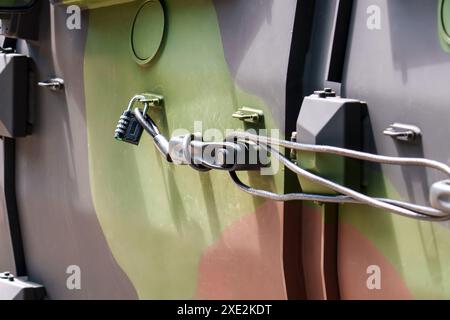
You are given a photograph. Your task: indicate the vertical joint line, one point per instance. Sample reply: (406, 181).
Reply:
(340, 40)
(9, 183)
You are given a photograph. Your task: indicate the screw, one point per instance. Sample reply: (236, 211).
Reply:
(325, 93)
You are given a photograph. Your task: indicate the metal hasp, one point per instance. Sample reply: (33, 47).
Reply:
(326, 119)
(403, 132)
(14, 95)
(12, 288)
(249, 115)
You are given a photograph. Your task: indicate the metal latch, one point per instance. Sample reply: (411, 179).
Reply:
(403, 132)
(6, 50)
(249, 115)
(54, 84)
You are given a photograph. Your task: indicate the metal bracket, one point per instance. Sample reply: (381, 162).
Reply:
(19, 288)
(403, 132)
(249, 115)
(6, 50)
(153, 100)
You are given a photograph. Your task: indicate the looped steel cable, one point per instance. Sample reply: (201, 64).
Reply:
(345, 195)
(186, 148)
(349, 195)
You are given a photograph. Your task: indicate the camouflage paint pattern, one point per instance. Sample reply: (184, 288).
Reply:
(157, 217)
(399, 71)
(59, 224)
(171, 232)
(142, 228)
(409, 90)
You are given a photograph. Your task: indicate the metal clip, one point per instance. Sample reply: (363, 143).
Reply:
(248, 115)
(54, 84)
(403, 132)
(6, 50)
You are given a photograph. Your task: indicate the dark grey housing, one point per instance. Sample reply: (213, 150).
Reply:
(14, 95)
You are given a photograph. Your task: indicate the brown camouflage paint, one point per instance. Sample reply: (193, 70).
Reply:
(246, 262)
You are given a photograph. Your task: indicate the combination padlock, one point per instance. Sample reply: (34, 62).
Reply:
(128, 128)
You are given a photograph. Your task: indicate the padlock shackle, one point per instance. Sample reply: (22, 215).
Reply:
(149, 125)
(136, 98)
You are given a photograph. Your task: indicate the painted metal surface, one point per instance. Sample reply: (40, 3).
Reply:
(137, 227)
(141, 228)
(401, 71)
(174, 216)
(147, 31)
(399, 68)
(59, 222)
(444, 23)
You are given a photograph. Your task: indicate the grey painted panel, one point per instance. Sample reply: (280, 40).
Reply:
(256, 36)
(58, 219)
(320, 47)
(403, 74)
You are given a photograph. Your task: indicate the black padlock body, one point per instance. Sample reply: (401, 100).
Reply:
(134, 131)
(129, 129)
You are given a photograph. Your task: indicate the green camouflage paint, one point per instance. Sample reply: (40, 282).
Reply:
(14, 3)
(444, 24)
(93, 4)
(159, 219)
